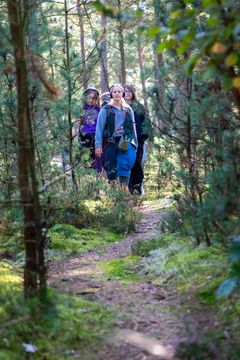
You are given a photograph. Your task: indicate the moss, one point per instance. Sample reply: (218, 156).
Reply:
(69, 239)
(122, 269)
(64, 329)
(189, 266)
(10, 279)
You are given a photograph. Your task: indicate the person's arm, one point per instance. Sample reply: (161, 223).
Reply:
(100, 126)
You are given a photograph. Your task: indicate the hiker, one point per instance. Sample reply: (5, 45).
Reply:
(104, 98)
(141, 119)
(87, 126)
(116, 138)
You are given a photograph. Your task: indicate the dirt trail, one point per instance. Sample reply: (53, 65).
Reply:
(147, 327)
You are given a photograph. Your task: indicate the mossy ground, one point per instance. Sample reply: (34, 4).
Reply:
(196, 273)
(67, 239)
(66, 327)
(124, 269)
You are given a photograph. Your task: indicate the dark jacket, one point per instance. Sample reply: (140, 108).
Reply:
(142, 122)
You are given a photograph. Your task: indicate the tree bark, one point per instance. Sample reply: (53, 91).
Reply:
(82, 46)
(160, 85)
(104, 64)
(69, 95)
(141, 67)
(34, 271)
(122, 75)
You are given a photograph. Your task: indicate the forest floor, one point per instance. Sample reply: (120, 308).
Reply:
(151, 318)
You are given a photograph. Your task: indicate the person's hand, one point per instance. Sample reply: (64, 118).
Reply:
(98, 152)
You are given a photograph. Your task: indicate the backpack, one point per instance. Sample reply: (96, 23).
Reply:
(110, 124)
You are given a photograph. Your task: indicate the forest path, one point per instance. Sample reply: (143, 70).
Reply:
(147, 325)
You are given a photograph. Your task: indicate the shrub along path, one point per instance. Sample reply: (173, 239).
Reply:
(148, 317)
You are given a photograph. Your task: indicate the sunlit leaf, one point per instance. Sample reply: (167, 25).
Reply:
(226, 288)
(236, 82)
(166, 45)
(107, 10)
(190, 12)
(218, 48)
(231, 59)
(183, 48)
(176, 13)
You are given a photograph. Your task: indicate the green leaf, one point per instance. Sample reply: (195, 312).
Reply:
(209, 3)
(226, 288)
(191, 63)
(227, 83)
(182, 48)
(213, 21)
(153, 31)
(209, 73)
(175, 14)
(231, 59)
(165, 45)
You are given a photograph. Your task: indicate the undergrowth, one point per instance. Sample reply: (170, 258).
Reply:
(65, 328)
(67, 239)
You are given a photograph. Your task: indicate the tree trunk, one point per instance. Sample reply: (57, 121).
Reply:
(69, 95)
(122, 75)
(104, 67)
(141, 67)
(34, 271)
(82, 46)
(160, 85)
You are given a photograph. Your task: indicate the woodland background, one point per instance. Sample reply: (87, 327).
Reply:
(183, 57)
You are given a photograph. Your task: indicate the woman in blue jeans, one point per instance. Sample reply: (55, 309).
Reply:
(115, 122)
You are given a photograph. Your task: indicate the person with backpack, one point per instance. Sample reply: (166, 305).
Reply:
(116, 137)
(87, 124)
(141, 119)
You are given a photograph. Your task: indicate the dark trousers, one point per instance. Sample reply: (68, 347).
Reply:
(137, 175)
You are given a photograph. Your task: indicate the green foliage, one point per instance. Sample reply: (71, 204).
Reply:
(118, 214)
(187, 265)
(143, 248)
(123, 269)
(68, 239)
(62, 329)
(10, 278)
(68, 207)
(210, 28)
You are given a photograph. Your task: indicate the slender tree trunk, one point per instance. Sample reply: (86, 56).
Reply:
(104, 64)
(69, 94)
(141, 67)
(122, 78)
(34, 271)
(122, 75)
(82, 46)
(160, 85)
